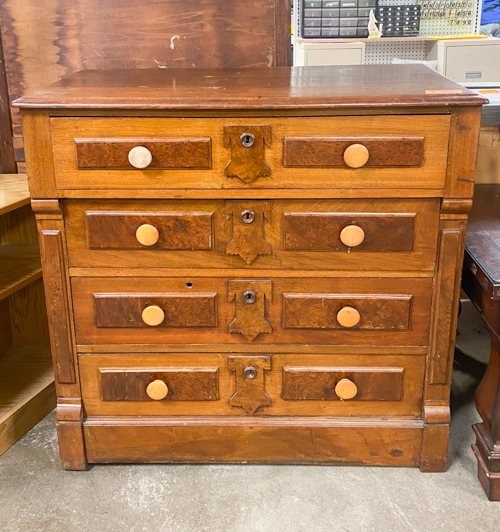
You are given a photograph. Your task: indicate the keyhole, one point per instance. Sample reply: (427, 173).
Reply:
(250, 372)
(247, 140)
(247, 216)
(249, 297)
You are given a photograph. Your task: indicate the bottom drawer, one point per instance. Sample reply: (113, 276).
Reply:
(253, 440)
(247, 384)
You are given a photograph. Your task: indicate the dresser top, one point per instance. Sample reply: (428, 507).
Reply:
(360, 86)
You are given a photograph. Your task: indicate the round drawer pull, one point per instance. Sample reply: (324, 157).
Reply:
(147, 235)
(346, 389)
(348, 317)
(140, 157)
(157, 390)
(356, 155)
(153, 315)
(352, 236)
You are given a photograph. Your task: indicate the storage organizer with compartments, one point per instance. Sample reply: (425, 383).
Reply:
(254, 265)
(336, 18)
(399, 21)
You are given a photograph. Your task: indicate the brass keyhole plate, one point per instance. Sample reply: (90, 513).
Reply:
(247, 140)
(249, 297)
(248, 216)
(250, 372)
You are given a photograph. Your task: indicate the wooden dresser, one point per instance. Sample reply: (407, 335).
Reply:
(256, 265)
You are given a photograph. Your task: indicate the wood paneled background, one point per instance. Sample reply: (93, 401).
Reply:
(45, 40)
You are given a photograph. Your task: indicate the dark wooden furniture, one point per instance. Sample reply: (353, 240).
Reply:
(253, 265)
(481, 282)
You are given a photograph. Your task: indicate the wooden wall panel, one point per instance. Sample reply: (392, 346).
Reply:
(7, 159)
(45, 41)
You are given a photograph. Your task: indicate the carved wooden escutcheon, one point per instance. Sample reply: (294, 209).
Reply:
(248, 229)
(247, 151)
(250, 307)
(250, 382)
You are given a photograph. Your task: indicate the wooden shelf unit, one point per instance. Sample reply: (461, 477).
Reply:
(372, 39)
(14, 192)
(19, 266)
(27, 391)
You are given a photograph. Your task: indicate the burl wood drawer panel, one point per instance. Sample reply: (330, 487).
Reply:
(211, 310)
(248, 384)
(241, 153)
(362, 234)
(166, 153)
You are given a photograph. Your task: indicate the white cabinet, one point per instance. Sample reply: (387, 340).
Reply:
(314, 53)
(468, 60)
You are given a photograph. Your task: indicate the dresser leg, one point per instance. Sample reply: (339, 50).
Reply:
(434, 448)
(435, 438)
(487, 446)
(70, 434)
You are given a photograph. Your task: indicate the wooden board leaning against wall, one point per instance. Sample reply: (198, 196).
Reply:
(84, 35)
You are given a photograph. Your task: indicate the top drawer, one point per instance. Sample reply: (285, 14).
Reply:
(270, 153)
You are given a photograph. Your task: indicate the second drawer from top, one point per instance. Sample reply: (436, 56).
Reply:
(362, 234)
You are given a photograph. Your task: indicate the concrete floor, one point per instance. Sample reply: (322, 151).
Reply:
(37, 495)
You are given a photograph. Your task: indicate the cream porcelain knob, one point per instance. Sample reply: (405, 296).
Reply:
(356, 155)
(140, 157)
(147, 235)
(348, 317)
(346, 389)
(153, 315)
(157, 390)
(352, 236)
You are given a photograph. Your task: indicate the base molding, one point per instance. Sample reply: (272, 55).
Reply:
(488, 462)
(230, 440)
(70, 434)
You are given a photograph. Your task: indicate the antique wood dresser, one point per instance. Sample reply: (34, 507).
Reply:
(254, 265)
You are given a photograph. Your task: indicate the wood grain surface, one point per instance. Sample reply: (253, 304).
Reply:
(431, 174)
(176, 231)
(303, 383)
(194, 153)
(399, 395)
(247, 221)
(319, 311)
(306, 440)
(290, 234)
(180, 310)
(184, 384)
(358, 86)
(14, 192)
(250, 299)
(321, 232)
(248, 150)
(329, 151)
(250, 382)
(246, 267)
(123, 323)
(164, 35)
